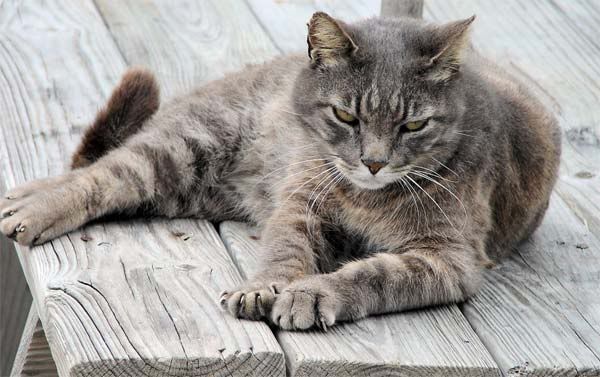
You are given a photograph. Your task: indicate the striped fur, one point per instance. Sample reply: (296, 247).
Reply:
(264, 145)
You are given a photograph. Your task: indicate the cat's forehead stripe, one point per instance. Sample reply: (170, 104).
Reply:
(363, 105)
(374, 98)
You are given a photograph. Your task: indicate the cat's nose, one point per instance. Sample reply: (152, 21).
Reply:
(373, 165)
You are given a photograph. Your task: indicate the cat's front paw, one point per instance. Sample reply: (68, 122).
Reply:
(304, 304)
(39, 211)
(251, 300)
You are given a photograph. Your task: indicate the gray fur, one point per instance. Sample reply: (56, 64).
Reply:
(339, 243)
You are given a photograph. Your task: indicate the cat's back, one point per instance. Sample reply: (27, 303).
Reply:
(527, 147)
(237, 100)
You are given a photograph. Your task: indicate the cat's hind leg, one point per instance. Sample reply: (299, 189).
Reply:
(164, 173)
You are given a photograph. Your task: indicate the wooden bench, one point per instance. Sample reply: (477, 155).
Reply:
(138, 298)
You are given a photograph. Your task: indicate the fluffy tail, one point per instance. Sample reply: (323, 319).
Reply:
(131, 104)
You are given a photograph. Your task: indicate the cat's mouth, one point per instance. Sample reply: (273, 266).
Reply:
(363, 179)
(368, 184)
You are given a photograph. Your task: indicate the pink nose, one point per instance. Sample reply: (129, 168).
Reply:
(374, 166)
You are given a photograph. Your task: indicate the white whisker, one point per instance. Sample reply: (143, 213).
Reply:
(441, 163)
(285, 167)
(284, 179)
(462, 134)
(450, 192)
(416, 193)
(434, 202)
(291, 112)
(307, 182)
(335, 181)
(314, 195)
(431, 172)
(413, 202)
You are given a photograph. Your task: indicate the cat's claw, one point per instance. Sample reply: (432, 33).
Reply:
(304, 304)
(223, 298)
(251, 300)
(39, 211)
(323, 323)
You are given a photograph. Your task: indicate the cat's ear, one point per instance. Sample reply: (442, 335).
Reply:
(328, 42)
(451, 40)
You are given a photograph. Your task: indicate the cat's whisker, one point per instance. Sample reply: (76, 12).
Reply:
(302, 148)
(413, 203)
(450, 192)
(416, 194)
(307, 182)
(285, 167)
(285, 179)
(433, 172)
(443, 165)
(434, 202)
(462, 134)
(335, 181)
(428, 173)
(313, 199)
(290, 112)
(434, 176)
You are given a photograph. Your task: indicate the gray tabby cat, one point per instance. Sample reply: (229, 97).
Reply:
(386, 170)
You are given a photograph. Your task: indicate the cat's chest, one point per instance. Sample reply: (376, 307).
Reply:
(381, 225)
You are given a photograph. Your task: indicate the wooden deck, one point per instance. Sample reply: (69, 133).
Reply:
(139, 298)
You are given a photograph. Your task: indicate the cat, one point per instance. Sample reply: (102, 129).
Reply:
(386, 170)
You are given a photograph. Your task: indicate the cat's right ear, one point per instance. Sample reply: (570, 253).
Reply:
(327, 40)
(449, 45)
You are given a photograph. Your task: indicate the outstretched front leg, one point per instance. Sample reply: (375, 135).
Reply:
(425, 273)
(292, 242)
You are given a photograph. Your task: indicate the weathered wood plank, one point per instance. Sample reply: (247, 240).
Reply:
(285, 21)
(15, 301)
(539, 312)
(402, 8)
(186, 43)
(34, 357)
(434, 342)
(130, 298)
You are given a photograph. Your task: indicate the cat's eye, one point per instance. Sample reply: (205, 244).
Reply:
(415, 126)
(344, 116)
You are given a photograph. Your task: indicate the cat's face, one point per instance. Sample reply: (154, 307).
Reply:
(381, 108)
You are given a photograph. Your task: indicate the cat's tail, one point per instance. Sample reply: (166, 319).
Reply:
(131, 104)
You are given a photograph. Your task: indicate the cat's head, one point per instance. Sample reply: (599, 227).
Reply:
(381, 95)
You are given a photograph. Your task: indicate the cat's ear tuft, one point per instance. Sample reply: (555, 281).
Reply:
(452, 41)
(328, 42)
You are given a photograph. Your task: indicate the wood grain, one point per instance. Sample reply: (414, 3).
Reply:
(15, 301)
(402, 8)
(134, 298)
(285, 21)
(539, 313)
(186, 43)
(34, 357)
(434, 342)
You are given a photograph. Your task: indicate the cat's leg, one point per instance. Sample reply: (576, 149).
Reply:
(291, 243)
(382, 283)
(157, 170)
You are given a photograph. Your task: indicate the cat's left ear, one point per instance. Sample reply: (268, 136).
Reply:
(328, 42)
(452, 40)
